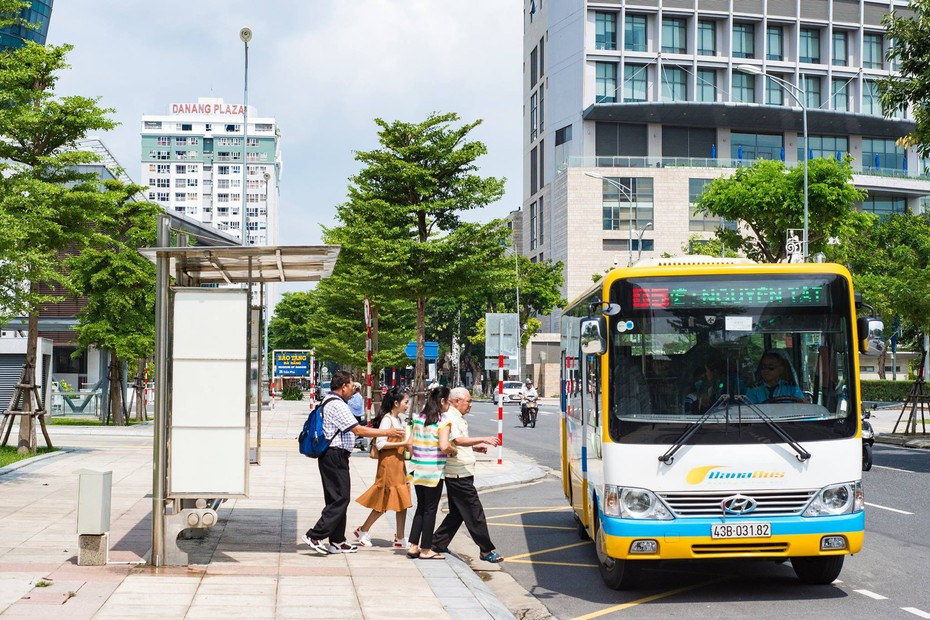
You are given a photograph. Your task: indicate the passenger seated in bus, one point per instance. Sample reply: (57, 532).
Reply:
(777, 382)
(631, 392)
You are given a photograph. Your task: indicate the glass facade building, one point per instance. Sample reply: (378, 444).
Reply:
(39, 14)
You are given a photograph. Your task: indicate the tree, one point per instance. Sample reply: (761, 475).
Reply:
(47, 200)
(910, 51)
(768, 199)
(119, 284)
(402, 231)
(11, 14)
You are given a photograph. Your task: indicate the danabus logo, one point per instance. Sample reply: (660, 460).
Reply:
(738, 505)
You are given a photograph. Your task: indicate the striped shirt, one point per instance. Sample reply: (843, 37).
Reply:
(429, 462)
(338, 422)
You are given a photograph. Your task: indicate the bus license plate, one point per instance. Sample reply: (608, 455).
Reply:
(741, 530)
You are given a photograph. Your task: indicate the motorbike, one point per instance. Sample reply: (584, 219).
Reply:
(868, 440)
(529, 409)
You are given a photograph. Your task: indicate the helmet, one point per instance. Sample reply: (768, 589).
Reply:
(529, 381)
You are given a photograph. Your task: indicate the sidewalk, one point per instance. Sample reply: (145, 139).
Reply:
(250, 565)
(884, 418)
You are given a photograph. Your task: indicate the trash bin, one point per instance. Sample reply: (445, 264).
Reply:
(93, 510)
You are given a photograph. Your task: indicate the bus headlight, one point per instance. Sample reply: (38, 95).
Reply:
(634, 504)
(836, 499)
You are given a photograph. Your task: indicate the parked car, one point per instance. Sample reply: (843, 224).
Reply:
(511, 393)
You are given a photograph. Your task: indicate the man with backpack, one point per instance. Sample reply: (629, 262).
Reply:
(340, 425)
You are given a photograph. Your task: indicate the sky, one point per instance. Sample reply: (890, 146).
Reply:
(323, 68)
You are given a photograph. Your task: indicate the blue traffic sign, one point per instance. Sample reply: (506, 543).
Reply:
(430, 350)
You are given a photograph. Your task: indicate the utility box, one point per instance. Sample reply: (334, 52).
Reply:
(93, 510)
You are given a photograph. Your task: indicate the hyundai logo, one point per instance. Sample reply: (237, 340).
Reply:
(738, 505)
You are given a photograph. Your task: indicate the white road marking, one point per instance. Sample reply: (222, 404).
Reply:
(870, 594)
(906, 471)
(916, 612)
(903, 512)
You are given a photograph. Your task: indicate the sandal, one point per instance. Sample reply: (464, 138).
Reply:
(414, 552)
(435, 556)
(493, 557)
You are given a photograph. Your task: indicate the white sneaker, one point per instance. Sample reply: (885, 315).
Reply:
(342, 547)
(317, 545)
(401, 543)
(364, 539)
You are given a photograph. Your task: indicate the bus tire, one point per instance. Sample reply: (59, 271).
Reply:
(818, 570)
(616, 574)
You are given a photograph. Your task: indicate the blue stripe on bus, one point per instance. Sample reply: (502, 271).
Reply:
(584, 459)
(781, 526)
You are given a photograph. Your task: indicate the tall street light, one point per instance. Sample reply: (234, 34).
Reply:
(245, 35)
(794, 91)
(639, 243)
(629, 195)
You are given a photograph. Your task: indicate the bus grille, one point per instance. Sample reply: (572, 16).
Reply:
(739, 548)
(708, 503)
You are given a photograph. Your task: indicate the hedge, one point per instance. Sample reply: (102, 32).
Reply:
(886, 391)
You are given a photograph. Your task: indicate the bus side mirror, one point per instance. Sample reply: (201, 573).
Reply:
(594, 335)
(870, 333)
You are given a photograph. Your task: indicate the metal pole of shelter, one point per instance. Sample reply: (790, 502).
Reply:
(160, 443)
(246, 35)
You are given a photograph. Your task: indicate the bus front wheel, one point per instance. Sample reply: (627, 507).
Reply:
(818, 570)
(616, 574)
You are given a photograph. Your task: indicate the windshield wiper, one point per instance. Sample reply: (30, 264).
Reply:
(719, 404)
(803, 454)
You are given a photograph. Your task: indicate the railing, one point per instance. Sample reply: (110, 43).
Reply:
(82, 402)
(699, 162)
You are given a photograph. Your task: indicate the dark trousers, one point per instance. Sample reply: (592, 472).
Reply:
(424, 519)
(334, 471)
(464, 507)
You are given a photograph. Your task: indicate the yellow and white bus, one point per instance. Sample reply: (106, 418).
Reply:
(676, 442)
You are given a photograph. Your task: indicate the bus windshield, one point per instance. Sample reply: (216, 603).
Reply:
(737, 349)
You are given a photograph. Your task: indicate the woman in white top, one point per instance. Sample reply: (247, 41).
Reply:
(390, 490)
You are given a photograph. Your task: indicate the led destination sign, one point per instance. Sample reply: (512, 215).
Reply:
(694, 294)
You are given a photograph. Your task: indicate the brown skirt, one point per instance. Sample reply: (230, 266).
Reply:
(390, 490)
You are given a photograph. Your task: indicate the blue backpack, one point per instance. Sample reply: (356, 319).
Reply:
(311, 441)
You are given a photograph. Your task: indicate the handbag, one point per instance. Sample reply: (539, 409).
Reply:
(373, 450)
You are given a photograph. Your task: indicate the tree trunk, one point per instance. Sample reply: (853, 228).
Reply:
(139, 385)
(116, 391)
(27, 427)
(419, 374)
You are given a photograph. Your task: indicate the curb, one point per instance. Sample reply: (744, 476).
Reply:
(905, 441)
(33, 459)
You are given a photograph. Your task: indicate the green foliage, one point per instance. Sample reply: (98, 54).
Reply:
(910, 51)
(890, 263)
(699, 246)
(886, 391)
(292, 393)
(767, 199)
(8, 454)
(11, 14)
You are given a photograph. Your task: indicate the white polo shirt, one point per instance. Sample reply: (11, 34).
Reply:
(463, 463)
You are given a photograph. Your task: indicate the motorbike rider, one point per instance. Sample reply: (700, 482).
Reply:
(527, 392)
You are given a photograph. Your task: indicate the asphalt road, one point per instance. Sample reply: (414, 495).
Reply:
(534, 529)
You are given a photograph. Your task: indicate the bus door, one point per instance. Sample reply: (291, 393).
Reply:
(591, 462)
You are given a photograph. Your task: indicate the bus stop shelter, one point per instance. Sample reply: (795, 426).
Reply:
(208, 359)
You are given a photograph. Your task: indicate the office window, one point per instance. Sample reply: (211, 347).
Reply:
(744, 41)
(699, 221)
(162, 182)
(534, 122)
(840, 49)
(222, 169)
(839, 94)
(809, 45)
(872, 51)
(163, 168)
(606, 82)
(753, 146)
(706, 85)
(180, 182)
(674, 84)
(634, 33)
(180, 169)
(674, 37)
(774, 92)
(813, 91)
(162, 196)
(870, 102)
(184, 127)
(774, 37)
(252, 142)
(192, 182)
(180, 141)
(563, 135)
(232, 128)
(534, 171)
(534, 67)
(823, 146)
(882, 153)
(542, 220)
(542, 108)
(884, 206)
(262, 127)
(605, 31)
(633, 205)
(153, 124)
(634, 82)
(180, 196)
(542, 56)
(534, 241)
(707, 38)
(744, 88)
(163, 141)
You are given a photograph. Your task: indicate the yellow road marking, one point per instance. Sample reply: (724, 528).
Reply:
(526, 512)
(535, 562)
(647, 599)
(571, 546)
(486, 508)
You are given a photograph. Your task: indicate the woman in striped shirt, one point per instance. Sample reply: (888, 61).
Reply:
(431, 446)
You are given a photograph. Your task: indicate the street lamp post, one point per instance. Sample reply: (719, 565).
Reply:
(792, 90)
(245, 35)
(629, 195)
(639, 242)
